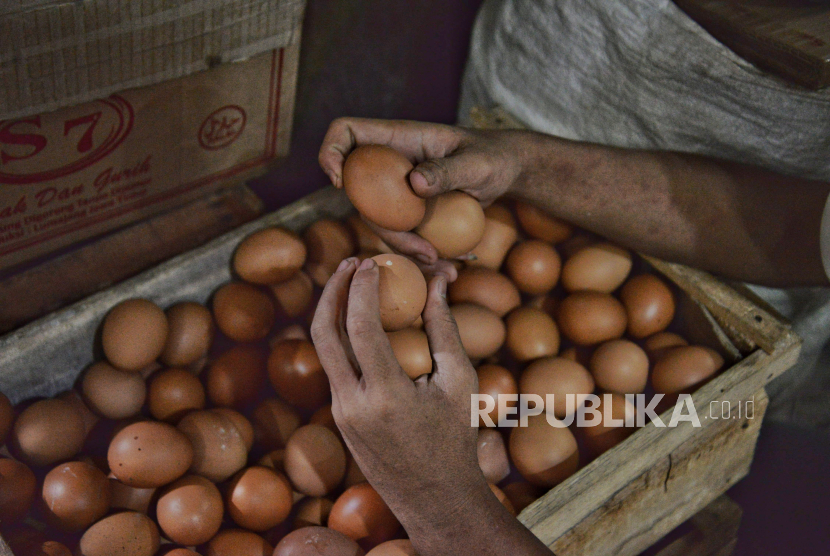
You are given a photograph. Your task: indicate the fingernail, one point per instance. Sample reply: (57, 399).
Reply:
(343, 264)
(367, 264)
(423, 258)
(468, 257)
(442, 286)
(428, 176)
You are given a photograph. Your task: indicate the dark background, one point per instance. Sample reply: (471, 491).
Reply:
(382, 59)
(370, 58)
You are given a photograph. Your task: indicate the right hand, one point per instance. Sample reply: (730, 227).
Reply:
(484, 164)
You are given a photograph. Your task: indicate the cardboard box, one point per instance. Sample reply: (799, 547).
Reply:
(80, 171)
(112, 111)
(55, 54)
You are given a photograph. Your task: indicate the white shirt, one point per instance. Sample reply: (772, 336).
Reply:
(642, 74)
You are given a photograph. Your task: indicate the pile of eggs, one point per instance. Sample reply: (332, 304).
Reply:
(208, 429)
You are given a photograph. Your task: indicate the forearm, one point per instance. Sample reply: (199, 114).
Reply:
(472, 523)
(738, 221)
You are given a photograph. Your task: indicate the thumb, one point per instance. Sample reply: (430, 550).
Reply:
(453, 370)
(439, 175)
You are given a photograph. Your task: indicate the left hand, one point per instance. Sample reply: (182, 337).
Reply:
(483, 164)
(412, 439)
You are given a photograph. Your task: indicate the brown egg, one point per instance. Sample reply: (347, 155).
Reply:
(533, 266)
(294, 296)
(354, 475)
(403, 291)
(297, 375)
(315, 460)
(219, 450)
(492, 455)
(18, 488)
(290, 332)
(48, 431)
(258, 498)
(317, 541)
(90, 419)
(588, 318)
(601, 267)
(545, 455)
(236, 377)
(328, 242)
(324, 416)
(149, 454)
(362, 515)
(275, 459)
(600, 438)
(482, 331)
(313, 511)
(269, 256)
(495, 380)
(541, 225)
(242, 424)
(75, 495)
(190, 510)
(134, 334)
(125, 497)
(6, 417)
(453, 224)
(113, 393)
(562, 378)
(580, 240)
(242, 312)
(238, 542)
(546, 302)
(505, 501)
(367, 240)
(274, 422)
(660, 343)
(620, 366)
(487, 288)
(122, 534)
(376, 180)
(190, 334)
(411, 348)
(649, 304)
(173, 393)
(397, 547)
(521, 494)
(499, 236)
(54, 548)
(683, 369)
(531, 334)
(180, 552)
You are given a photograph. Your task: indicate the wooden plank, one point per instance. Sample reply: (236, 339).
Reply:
(746, 323)
(670, 492)
(569, 503)
(115, 257)
(46, 356)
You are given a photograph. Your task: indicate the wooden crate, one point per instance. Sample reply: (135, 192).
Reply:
(636, 493)
(619, 504)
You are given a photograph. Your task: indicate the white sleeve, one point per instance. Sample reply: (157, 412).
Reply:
(825, 237)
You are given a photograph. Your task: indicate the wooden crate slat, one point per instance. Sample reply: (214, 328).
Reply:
(747, 323)
(569, 503)
(44, 357)
(670, 492)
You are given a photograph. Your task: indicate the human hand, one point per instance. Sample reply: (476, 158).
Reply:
(412, 439)
(484, 164)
